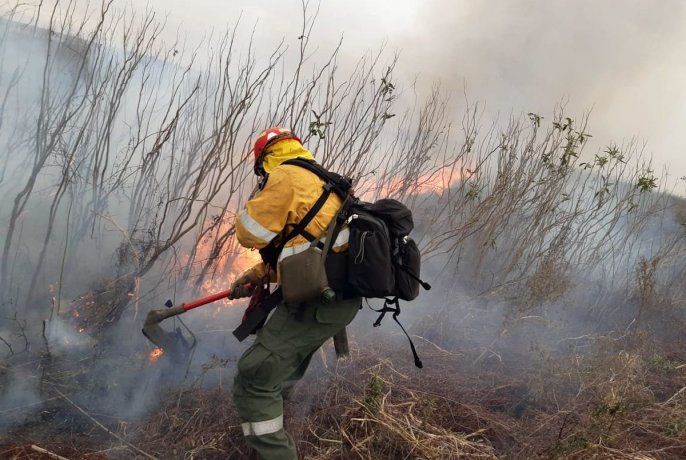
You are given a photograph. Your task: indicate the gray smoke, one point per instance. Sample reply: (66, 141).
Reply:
(519, 58)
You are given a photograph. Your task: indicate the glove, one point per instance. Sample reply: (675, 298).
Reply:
(245, 284)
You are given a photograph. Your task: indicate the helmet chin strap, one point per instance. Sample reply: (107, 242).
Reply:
(262, 180)
(258, 168)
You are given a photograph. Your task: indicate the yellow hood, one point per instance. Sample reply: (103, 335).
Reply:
(284, 150)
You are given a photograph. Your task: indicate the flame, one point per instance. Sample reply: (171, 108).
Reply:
(227, 266)
(435, 181)
(155, 355)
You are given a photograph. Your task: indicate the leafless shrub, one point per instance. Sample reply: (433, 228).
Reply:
(148, 143)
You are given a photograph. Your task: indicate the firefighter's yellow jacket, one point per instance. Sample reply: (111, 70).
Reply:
(289, 193)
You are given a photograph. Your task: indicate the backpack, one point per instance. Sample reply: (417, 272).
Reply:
(382, 260)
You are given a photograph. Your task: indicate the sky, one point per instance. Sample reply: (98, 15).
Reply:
(622, 60)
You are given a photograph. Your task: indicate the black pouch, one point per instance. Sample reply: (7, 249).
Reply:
(408, 264)
(370, 269)
(337, 270)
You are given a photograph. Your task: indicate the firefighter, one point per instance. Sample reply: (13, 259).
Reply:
(284, 346)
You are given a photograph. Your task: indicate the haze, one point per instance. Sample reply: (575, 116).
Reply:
(622, 60)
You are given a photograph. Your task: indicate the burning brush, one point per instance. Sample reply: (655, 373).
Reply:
(101, 306)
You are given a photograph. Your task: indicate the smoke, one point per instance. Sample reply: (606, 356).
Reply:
(486, 288)
(19, 399)
(620, 59)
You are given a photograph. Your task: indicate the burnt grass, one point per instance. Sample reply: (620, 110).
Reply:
(620, 398)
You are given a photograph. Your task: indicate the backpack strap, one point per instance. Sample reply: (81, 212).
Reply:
(332, 183)
(341, 185)
(299, 228)
(331, 235)
(388, 308)
(270, 253)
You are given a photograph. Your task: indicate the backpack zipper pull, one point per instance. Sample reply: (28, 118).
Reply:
(359, 258)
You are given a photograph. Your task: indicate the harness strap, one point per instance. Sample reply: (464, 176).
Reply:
(332, 183)
(396, 311)
(341, 185)
(271, 252)
(299, 228)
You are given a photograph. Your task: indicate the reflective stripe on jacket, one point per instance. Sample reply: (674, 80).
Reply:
(289, 193)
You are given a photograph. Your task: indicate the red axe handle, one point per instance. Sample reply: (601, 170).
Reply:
(209, 299)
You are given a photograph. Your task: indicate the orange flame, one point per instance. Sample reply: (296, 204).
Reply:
(155, 355)
(226, 267)
(435, 181)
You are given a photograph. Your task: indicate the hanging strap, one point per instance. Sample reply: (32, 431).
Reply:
(257, 315)
(424, 284)
(387, 308)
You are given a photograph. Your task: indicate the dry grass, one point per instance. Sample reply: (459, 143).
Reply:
(193, 424)
(616, 400)
(611, 402)
(371, 409)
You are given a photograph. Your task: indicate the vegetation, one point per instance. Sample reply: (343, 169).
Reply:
(554, 329)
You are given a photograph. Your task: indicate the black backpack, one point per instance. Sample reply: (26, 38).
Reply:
(382, 260)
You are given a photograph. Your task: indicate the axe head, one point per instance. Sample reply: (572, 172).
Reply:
(173, 343)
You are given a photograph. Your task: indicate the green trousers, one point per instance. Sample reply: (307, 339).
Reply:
(280, 355)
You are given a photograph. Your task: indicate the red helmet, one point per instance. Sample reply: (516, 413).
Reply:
(269, 137)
